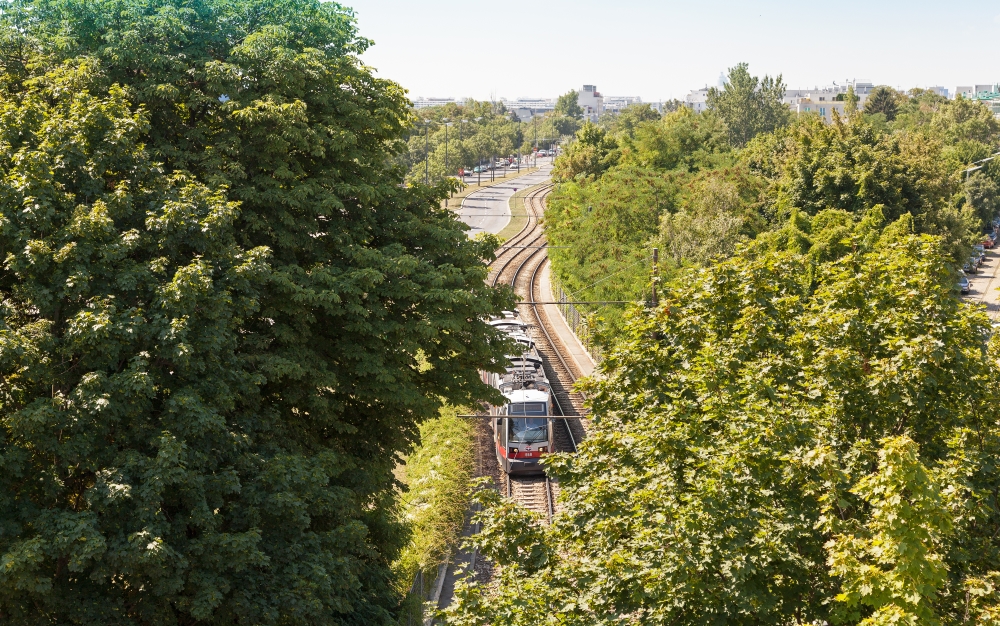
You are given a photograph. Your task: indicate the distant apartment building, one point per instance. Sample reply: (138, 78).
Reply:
(987, 94)
(697, 100)
(971, 92)
(822, 101)
(614, 104)
(527, 108)
(591, 101)
(423, 103)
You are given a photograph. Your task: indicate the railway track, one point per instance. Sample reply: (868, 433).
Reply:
(518, 264)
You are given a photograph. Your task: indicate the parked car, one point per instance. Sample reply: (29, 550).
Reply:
(969, 267)
(976, 261)
(963, 284)
(988, 243)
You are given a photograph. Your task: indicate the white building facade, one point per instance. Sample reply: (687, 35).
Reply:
(822, 101)
(423, 103)
(697, 100)
(591, 101)
(615, 104)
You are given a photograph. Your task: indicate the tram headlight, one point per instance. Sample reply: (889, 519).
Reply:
(543, 449)
(512, 451)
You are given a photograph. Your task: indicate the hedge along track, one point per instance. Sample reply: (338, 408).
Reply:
(518, 264)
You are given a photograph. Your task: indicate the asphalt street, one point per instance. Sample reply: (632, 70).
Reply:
(489, 209)
(985, 285)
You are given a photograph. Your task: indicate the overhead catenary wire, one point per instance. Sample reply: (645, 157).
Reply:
(596, 282)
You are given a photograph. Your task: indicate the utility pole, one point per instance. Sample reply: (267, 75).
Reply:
(656, 274)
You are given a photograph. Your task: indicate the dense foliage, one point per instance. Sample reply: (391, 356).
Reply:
(884, 100)
(568, 105)
(783, 440)
(445, 138)
(438, 476)
(681, 186)
(749, 105)
(217, 298)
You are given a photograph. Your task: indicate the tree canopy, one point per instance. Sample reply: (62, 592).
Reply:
(783, 440)
(749, 105)
(223, 314)
(568, 104)
(883, 100)
(454, 136)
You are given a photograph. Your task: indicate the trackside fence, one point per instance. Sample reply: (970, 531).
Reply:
(582, 323)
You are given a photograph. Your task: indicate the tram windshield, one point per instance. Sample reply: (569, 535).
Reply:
(528, 430)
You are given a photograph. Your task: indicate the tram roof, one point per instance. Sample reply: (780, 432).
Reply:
(527, 395)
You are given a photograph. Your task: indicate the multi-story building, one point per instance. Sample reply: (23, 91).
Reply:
(614, 104)
(423, 103)
(527, 108)
(970, 92)
(591, 101)
(987, 94)
(822, 101)
(697, 100)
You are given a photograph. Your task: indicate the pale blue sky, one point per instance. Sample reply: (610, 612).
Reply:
(659, 50)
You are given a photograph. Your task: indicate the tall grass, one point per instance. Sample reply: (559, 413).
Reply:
(438, 476)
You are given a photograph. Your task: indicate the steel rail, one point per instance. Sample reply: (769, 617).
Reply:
(526, 232)
(519, 255)
(532, 284)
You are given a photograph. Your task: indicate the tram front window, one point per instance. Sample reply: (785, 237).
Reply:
(526, 408)
(528, 430)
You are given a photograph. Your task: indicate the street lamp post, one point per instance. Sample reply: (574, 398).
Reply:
(479, 155)
(518, 136)
(534, 154)
(446, 170)
(461, 125)
(446, 125)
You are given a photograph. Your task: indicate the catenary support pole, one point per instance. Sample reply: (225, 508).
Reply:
(656, 274)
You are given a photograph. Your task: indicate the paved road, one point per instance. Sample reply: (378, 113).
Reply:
(985, 285)
(489, 209)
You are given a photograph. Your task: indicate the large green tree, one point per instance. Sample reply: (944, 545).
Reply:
(223, 314)
(568, 105)
(884, 100)
(749, 105)
(856, 167)
(781, 441)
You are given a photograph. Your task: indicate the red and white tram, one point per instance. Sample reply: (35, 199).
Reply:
(522, 428)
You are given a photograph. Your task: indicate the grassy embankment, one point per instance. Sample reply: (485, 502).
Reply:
(518, 214)
(438, 475)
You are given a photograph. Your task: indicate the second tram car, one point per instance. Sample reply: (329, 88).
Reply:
(522, 429)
